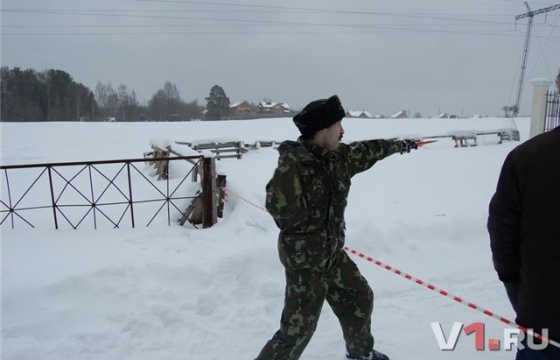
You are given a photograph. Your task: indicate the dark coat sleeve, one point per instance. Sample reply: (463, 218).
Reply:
(504, 222)
(362, 155)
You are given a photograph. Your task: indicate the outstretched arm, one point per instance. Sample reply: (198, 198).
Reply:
(363, 155)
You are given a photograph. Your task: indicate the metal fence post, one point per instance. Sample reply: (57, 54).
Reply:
(552, 110)
(130, 202)
(52, 197)
(538, 112)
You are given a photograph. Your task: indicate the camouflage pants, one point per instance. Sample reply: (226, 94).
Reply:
(348, 294)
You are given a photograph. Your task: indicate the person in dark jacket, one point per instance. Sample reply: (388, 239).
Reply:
(524, 229)
(307, 197)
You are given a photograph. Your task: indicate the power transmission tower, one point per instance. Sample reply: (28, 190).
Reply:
(530, 14)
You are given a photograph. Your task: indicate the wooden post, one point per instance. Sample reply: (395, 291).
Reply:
(221, 185)
(162, 166)
(195, 172)
(240, 145)
(209, 213)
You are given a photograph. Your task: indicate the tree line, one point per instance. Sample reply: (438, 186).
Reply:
(53, 95)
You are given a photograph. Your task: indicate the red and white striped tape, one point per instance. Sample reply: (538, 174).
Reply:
(247, 201)
(430, 286)
(451, 296)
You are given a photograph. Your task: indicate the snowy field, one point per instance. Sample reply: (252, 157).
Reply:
(177, 293)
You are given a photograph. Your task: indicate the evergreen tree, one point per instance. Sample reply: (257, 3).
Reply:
(21, 95)
(49, 95)
(217, 104)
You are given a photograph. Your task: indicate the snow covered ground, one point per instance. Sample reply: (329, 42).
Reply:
(176, 293)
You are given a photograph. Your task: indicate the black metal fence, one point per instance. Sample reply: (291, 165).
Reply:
(112, 193)
(552, 110)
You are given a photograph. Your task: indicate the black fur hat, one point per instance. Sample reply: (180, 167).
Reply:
(318, 115)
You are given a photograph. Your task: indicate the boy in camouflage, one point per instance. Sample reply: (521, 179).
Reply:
(307, 197)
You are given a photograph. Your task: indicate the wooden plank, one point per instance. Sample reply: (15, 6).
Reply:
(235, 147)
(208, 146)
(222, 150)
(185, 215)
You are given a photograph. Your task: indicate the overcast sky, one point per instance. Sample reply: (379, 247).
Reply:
(429, 56)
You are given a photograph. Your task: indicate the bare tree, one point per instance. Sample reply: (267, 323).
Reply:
(166, 104)
(107, 99)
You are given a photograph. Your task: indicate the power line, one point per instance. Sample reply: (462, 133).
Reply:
(233, 22)
(543, 46)
(112, 13)
(357, 29)
(530, 14)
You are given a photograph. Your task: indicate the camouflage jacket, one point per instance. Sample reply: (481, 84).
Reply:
(308, 193)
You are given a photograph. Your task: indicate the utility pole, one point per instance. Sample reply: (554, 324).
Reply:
(530, 14)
